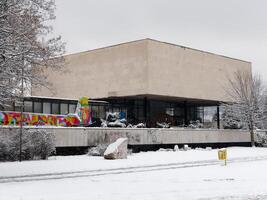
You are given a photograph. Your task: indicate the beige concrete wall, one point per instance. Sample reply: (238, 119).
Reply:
(93, 136)
(114, 71)
(144, 67)
(83, 137)
(185, 72)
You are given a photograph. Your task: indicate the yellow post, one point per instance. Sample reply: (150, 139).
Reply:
(222, 155)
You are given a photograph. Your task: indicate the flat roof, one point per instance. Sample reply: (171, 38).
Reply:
(181, 46)
(58, 98)
(189, 101)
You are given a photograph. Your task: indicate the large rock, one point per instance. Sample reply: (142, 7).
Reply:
(117, 150)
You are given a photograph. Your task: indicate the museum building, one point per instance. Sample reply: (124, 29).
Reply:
(150, 81)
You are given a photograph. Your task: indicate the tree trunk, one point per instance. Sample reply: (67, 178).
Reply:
(252, 138)
(251, 130)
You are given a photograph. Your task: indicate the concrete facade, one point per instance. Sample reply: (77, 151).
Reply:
(144, 67)
(84, 137)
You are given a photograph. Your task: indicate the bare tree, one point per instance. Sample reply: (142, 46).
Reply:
(27, 46)
(246, 92)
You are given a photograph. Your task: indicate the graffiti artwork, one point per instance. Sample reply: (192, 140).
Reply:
(83, 111)
(82, 116)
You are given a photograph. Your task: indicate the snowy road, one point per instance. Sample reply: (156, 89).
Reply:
(194, 174)
(113, 171)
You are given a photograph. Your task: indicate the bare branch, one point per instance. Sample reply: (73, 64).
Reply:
(23, 30)
(248, 106)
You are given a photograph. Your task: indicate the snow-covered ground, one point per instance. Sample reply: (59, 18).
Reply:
(192, 174)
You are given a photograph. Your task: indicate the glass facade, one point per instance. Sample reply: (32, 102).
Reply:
(162, 112)
(72, 108)
(55, 108)
(47, 107)
(195, 113)
(64, 109)
(210, 117)
(142, 110)
(37, 107)
(27, 106)
(178, 114)
(102, 112)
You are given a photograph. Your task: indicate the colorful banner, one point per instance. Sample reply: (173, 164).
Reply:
(82, 116)
(32, 119)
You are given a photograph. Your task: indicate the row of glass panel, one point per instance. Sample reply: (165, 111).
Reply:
(98, 111)
(159, 111)
(48, 107)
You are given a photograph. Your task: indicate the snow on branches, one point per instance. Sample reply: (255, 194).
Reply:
(248, 106)
(25, 44)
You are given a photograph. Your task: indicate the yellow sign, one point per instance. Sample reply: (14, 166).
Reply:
(222, 155)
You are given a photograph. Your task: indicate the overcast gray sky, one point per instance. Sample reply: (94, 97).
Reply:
(234, 28)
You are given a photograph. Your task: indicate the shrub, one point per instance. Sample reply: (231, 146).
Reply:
(44, 143)
(261, 137)
(36, 144)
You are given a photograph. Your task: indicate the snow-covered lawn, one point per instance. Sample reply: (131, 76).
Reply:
(193, 174)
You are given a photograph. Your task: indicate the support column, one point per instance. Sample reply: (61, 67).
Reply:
(218, 117)
(147, 112)
(185, 114)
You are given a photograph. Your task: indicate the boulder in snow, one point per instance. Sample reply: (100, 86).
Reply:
(117, 150)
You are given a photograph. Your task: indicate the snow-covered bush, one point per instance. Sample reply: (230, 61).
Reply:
(44, 143)
(36, 144)
(98, 150)
(5, 147)
(261, 137)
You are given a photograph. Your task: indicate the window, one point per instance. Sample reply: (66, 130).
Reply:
(72, 108)
(195, 113)
(95, 112)
(27, 106)
(210, 117)
(179, 116)
(37, 106)
(17, 106)
(63, 108)
(47, 108)
(55, 108)
(102, 113)
(170, 111)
